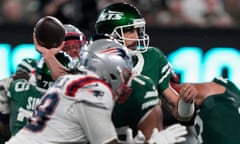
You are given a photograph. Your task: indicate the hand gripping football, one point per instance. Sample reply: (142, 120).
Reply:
(49, 32)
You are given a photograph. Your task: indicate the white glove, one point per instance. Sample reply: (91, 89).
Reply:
(171, 135)
(138, 139)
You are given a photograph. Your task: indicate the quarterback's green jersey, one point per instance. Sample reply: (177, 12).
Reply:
(218, 119)
(23, 97)
(143, 98)
(154, 64)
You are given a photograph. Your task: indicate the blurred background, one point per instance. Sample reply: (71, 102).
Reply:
(201, 38)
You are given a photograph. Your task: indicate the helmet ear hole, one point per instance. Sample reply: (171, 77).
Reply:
(113, 77)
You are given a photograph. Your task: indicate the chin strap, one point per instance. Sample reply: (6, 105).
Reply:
(139, 65)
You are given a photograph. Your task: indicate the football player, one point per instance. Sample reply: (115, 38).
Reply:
(74, 41)
(78, 107)
(141, 106)
(124, 22)
(218, 111)
(24, 94)
(24, 70)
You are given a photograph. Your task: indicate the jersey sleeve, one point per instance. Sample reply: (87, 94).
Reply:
(164, 68)
(88, 89)
(143, 98)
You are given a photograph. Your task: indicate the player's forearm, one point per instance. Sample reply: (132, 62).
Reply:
(180, 104)
(185, 105)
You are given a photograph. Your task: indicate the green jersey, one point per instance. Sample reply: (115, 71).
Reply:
(23, 97)
(143, 98)
(154, 64)
(218, 119)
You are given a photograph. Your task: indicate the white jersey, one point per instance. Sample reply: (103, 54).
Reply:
(76, 109)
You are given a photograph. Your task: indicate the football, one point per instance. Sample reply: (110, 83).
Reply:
(49, 32)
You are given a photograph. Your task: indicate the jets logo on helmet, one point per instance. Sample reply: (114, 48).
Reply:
(119, 18)
(110, 15)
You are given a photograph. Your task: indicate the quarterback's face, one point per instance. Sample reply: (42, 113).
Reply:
(73, 49)
(131, 37)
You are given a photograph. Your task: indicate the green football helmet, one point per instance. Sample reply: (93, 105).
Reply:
(27, 65)
(118, 18)
(25, 69)
(43, 74)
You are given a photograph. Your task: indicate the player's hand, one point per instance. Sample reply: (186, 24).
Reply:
(138, 139)
(171, 135)
(44, 50)
(188, 93)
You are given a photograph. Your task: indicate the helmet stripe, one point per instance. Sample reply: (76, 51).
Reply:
(74, 86)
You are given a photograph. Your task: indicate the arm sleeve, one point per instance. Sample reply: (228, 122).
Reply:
(96, 123)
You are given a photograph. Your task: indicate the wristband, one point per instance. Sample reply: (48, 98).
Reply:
(185, 109)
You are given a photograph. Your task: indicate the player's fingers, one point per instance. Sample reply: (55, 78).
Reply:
(38, 47)
(129, 135)
(61, 45)
(181, 131)
(188, 93)
(180, 139)
(174, 126)
(140, 138)
(178, 129)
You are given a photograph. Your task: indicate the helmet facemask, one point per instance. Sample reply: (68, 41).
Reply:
(74, 40)
(142, 40)
(124, 91)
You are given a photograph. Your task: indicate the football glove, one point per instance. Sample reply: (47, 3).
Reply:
(138, 139)
(171, 135)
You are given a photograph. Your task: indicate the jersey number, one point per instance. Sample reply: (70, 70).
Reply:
(43, 112)
(23, 113)
(21, 86)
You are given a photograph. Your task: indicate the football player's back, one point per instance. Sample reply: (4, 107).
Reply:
(61, 109)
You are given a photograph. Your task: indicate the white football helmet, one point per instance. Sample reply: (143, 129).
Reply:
(110, 60)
